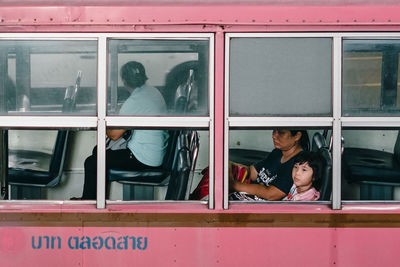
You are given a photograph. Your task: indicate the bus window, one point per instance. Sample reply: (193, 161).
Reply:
(265, 150)
(184, 154)
(371, 164)
(286, 82)
(178, 69)
(40, 74)
(280, 76)
(370, 77)
(47, 164)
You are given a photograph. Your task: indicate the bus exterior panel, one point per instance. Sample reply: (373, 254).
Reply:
(218, 232)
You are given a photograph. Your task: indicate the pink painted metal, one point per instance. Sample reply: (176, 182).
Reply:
(81, 246)
(12, 207)
(51, 15)
(219, 119)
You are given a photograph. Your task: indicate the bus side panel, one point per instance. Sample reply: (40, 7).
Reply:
(195, 246)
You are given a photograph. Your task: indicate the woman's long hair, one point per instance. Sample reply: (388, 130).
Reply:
(304, 139)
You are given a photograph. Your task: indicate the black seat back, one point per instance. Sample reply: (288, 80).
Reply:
(319, 145)
(171, 147)
(184, 165)
(318, 141)
(58, 157)
(396, 151)
(326, 179)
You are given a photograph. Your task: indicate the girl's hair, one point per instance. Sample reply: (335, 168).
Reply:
(304, 139)
(133, 74)
(315, 161)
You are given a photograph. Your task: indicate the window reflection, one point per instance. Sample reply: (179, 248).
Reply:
(37, 76)
(178, 69)
(280, 76)
(370, 77)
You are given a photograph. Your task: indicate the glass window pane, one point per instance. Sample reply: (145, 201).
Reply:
(48, 77)
(370, 77)
(272, 155)
(159, 77)
(280, 76)
(371, 166)
(48, 164)
(142, 168)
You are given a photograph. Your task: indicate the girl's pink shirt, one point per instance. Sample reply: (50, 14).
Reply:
(309, 195)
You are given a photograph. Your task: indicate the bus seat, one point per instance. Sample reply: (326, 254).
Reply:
(326, 179)
(318, 141)
(177, 82)
(140, 184)
(319, 145)
(181, 179)
(175, 172)
(377, 172)
(27, 183)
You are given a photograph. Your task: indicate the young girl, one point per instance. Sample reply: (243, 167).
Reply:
(306, 174)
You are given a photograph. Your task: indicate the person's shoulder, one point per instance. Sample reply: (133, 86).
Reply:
(311, 194)
(275, 153)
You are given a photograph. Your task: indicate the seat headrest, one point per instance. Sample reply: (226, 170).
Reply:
(318, 142)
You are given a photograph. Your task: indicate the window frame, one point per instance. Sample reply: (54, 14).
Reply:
(336, 121)
(101, 120)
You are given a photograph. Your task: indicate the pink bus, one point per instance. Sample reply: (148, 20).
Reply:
(232, 74)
